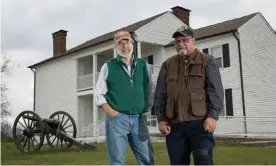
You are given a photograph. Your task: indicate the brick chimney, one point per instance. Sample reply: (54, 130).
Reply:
(182, 13)
(59, 42)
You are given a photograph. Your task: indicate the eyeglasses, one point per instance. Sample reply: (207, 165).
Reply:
(186, 40)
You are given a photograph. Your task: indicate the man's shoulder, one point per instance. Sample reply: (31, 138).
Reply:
(205, 57)
(171, 59)
(141, 60)
(110, 61)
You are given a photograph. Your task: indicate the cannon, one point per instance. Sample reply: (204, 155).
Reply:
(29, 131)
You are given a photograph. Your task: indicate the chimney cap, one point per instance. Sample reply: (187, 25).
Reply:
(60, 32)
(173, 8)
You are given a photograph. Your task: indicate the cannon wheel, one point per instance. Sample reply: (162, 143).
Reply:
(68, 126)
(28, 130)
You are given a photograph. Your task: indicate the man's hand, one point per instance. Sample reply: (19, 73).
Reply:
(164, 128)
(210, 124)
(111, 112)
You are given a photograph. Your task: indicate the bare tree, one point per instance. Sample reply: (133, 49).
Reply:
(6, 66)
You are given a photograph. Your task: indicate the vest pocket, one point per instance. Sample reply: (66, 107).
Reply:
(171, 82)
(196, 79)
(198, 103)
(196, 70)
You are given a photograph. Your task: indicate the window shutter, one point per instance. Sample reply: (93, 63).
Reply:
(205, 50)
(229, 102)
(226, 56)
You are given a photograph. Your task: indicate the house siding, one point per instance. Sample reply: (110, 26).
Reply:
(160, 30)
(258, 45)
(158, 57)
(56, 88)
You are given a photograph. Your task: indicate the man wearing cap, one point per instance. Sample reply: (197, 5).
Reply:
(188, 100)
(125, 91)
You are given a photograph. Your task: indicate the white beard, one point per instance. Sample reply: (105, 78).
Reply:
(125, 55)
(183, 52)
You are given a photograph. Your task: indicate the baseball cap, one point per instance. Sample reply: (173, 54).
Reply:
(122, 35)
(183, 31)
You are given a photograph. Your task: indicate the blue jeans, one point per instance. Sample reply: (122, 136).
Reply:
(123, 129)
(188, 137)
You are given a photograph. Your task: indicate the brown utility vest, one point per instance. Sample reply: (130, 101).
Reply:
(186, 97)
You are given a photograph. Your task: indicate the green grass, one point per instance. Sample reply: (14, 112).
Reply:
(224, 154)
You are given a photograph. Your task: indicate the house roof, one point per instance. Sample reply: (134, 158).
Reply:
(103, 38)
(220, 28)
(201, 33)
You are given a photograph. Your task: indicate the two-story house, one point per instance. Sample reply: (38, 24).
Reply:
(244, 49)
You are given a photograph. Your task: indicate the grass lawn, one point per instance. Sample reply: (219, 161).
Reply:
(224, 153)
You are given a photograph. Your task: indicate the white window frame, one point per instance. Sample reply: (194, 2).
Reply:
(211, 52)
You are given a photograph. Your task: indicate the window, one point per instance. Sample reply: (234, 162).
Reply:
(205, 50)
(85, 66)
(150, 59)
(228, 104)
(216, 52)
(221, 54)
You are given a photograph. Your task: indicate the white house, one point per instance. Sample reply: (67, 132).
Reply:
(244, 49)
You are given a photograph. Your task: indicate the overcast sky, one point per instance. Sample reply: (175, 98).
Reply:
(26, 28)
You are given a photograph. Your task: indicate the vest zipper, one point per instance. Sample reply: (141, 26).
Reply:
(130, 76)
(132, 93)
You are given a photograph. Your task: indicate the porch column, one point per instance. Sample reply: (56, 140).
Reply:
(95, 69)
(114, 52)
(95, 108)
(139, 49)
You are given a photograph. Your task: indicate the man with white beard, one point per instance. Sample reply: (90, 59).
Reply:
(125, 91)
(188, 100)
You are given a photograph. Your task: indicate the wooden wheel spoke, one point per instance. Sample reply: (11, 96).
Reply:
(65, 123)
(33, 144)
(57, 142)
(29, 142)
(54, 140)
(22, 125)
(24, 122)
(67, 127)
(62, 118)
(32, 122)
(28, 120)
(21, 140)
(69, 131)
(19, 129)
(25, 143)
